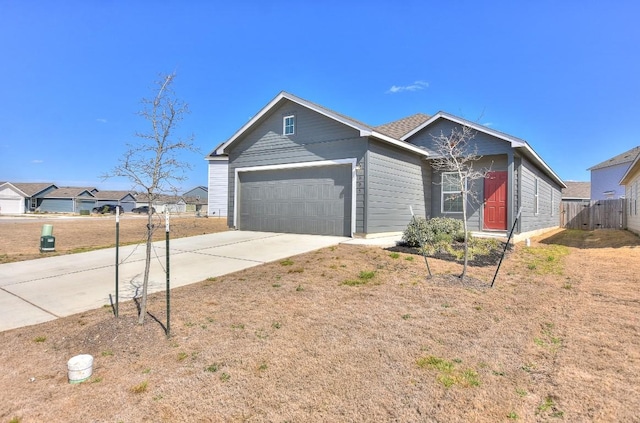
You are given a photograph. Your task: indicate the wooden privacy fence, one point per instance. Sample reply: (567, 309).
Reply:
(603, 214)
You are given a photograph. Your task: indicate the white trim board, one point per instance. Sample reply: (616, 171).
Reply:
(352, 161)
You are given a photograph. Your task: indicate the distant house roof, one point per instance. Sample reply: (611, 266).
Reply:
(30, 189)
(626, 157)
(70, 192)
(112, 195)
(576, 190)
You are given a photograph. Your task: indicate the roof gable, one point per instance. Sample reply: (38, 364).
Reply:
(626, 157)
(70, 192)
(364, 129)
(31, 189)
(516, 143)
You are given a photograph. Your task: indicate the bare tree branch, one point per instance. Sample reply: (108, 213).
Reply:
(153, 164)
(456, 153)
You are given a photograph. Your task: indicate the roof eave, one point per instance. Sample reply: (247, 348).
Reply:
(630, 171)
(401, 144)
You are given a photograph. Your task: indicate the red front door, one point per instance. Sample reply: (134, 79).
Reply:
(495, 201)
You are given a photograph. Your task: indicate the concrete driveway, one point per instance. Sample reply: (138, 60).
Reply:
(40, 290)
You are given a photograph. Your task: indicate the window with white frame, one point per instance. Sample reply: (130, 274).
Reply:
(451, 193)
(536, 196)
(289, 125)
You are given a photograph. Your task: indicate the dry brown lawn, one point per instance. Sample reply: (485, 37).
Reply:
(356, 334)
(20, 238)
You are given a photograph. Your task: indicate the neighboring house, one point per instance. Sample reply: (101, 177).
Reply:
(172, 203)
(605, 176)
(576, 191)
(196, 199)
(631, 182)
(123, 198)
(22, 197)
(67, 200)
(302, 168)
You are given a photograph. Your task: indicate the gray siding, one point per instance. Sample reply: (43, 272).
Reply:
(487, 145)
(396, 180)
(316, 138)
(56, 205)
(549, 196)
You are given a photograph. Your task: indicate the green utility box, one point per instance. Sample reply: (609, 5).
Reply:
(47, 243)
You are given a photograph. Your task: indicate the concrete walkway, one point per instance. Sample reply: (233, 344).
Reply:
(40, 290)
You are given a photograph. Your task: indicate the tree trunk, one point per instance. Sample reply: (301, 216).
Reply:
(147, 266)
(466, 234)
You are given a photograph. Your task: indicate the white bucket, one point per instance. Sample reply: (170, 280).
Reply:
(80, 368)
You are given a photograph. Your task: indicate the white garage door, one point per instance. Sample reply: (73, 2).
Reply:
(11, 206)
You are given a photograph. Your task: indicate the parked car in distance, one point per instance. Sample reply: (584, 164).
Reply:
(143, 209)
(107, 208)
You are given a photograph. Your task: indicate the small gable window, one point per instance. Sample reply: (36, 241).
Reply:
(289, 125)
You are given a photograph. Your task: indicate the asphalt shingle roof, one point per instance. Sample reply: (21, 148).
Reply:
(626, 157)
(400, 127)
(31, 188)
(576, 190)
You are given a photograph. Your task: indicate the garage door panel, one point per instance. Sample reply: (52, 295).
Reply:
(314, 200)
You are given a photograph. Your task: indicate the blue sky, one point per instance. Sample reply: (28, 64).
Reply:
(565, 76)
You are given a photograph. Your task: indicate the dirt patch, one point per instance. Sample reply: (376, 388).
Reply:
(353, 333)
(20, 238)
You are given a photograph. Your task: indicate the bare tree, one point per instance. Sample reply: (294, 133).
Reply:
(153, 164)
(456, 158)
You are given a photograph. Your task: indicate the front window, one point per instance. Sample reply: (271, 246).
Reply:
(451, 193)
(289, 125)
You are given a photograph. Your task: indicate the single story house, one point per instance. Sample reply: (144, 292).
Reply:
(196, 199)
(173, 203)
(605, 176)
(631, 183)
(299, 167)
(67, 200)
(22, 197)
(126, 199)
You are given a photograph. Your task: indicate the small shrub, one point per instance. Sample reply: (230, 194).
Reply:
(366, 275)
(394, 255)
(212, 368)
(432, 231)
(140, 388)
